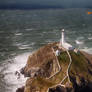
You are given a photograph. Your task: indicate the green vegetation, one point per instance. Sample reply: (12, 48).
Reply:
(63, 58)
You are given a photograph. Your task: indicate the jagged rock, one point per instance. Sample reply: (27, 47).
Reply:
(43, 64)
(20, 89)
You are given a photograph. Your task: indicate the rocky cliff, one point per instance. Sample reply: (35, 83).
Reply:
(70, 71)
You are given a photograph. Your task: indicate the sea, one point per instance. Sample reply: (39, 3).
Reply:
(24, 31)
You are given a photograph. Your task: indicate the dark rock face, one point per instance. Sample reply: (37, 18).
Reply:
(76, 88)
(22, 70)
(84, 86)
(58, 89)
(20, 89)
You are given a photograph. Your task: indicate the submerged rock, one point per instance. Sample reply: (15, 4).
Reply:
(50, 73)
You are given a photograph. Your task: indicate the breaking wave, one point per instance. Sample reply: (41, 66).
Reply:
(7, 72)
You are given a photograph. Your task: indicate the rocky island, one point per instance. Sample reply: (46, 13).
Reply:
(58, 67)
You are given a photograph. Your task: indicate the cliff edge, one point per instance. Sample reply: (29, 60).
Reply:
(65, 71)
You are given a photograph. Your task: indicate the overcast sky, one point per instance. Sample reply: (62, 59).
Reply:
(46, 3)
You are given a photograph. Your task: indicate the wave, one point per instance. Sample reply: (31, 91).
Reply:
(8, 71)
(24, 47)
(79, 42)
(86, 49)
(18, 34)
(90, 38)
(28, 29)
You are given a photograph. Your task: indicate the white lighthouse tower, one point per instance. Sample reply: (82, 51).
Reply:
(62, 35)
(62, 40)
(63, 43)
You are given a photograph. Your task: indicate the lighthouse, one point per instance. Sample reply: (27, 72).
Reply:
(62, 40)
(62, 36)
(63, 43)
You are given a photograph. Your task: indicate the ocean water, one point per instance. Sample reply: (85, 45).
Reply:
(24, 31)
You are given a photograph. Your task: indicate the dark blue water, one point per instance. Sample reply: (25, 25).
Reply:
(23, 31)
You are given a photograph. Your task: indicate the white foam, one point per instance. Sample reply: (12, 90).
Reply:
(33, 43)
(86, 49)
(48, 41)
(24, 47)
(18, 34)
(10, 77)
(29, 29)
(79, 42)
(90, 38)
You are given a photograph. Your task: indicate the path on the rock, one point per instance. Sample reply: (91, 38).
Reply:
(69, 64)
(67, 75)
(56, 59)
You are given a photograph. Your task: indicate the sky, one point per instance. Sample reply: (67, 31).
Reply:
(45, 4)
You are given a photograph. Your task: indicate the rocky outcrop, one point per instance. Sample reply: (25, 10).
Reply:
(42, 61)
(46, 76)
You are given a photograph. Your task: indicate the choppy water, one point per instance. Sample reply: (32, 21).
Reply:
(23, 31)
